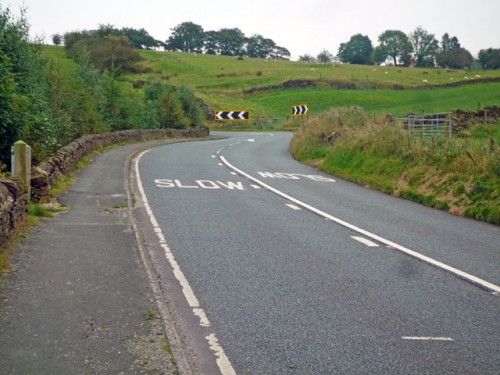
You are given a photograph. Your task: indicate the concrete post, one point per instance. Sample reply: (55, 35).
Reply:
(22, 164)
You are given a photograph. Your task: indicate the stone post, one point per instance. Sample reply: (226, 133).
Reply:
(22, 164)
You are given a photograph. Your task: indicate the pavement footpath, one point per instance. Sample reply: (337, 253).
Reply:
(78, 300)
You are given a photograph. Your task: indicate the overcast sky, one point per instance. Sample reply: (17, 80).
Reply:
(301, 26)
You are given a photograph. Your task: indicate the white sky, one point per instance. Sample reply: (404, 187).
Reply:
(301, 26)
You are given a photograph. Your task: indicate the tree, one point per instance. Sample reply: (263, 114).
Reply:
(171, 114)
(191, 106)
(324, 56)
(8, 87)
(448, 44)
(211, 43)
(24, 109)
(231, 42)
(114, 50)
(186, 37)
(260, 47)
(490, 58)
(140, 39)
(113, 109)
(358, 50)
(307, 58)
(153, 92)
(456, 58)
(280, 53)
(425, 47)
(57, 39)
(394, 44)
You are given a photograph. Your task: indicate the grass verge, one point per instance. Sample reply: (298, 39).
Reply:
(458, 175)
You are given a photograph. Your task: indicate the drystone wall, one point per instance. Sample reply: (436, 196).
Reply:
(13, 194)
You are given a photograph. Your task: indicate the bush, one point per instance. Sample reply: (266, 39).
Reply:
(171, 114)
(191, 106)
(24, 105)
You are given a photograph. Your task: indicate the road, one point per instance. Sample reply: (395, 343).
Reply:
(271, 267)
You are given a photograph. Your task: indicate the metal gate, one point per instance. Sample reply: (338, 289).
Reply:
(428, 125)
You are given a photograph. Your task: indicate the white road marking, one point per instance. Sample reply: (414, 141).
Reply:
(221, 359)
(464, 275)
(234, 173)
(256, 186)
(427, 338)
(365, 241)
(294, 207)
(204, 322)
(225, 366)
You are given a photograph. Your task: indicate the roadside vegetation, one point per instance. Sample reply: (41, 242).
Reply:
(460, 174)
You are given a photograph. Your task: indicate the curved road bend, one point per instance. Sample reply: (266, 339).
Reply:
(272, 267)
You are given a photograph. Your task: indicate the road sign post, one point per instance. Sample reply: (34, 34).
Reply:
(300, 110)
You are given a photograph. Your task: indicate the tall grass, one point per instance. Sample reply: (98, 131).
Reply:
(459, 175)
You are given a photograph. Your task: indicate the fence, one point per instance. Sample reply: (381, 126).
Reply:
(428, 125)
(269, 121)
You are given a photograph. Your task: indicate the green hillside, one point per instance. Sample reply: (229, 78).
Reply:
(224, 82)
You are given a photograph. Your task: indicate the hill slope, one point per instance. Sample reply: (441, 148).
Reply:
(227, 83)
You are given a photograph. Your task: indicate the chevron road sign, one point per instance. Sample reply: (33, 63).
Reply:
(232, 115)
(300, 110)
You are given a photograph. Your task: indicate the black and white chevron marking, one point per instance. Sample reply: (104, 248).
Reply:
(300, 110)
(232, 115)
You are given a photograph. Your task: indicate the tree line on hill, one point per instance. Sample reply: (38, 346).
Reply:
(48, 104)
(419, 48)
(190, 37)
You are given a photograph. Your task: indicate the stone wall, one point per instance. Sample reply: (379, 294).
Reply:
(13, 206)
(13, 197)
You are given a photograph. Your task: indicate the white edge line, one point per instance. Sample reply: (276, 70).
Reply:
(221, 359)
(464, 275)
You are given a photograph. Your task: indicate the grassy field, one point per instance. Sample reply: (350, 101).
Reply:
(222, 82)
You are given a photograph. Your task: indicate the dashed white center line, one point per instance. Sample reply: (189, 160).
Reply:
(427, 338)
(365, 241)
(293, 207)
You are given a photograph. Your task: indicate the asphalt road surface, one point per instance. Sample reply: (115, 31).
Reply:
(272, 267)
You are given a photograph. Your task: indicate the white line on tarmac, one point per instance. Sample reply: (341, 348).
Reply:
(365, 241)
(294, 207)
(464, 275)
(427, 338)
(221, 359)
